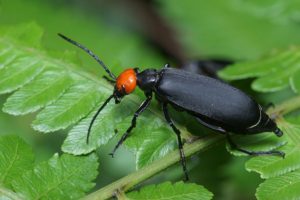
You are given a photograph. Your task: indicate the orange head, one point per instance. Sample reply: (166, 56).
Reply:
(126, 82)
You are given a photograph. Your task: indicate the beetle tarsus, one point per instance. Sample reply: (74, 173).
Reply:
(112, 154)
(253, 153)
(180, 146)
(123, 138)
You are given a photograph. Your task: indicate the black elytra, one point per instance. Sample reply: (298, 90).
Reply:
(215, 104)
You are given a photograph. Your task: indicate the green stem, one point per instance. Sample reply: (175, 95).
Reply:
(9, 194)
(157, 166)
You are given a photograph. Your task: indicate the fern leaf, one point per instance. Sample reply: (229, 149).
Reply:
(274, 73)
(257, 68)
(268, 166)
(44, 90)
(283, 187)
(101, 132)
(7, 54)
(65, 177)
(156, 145)
(68, 109)
(16, 157)
(18, 73)
(170, 191)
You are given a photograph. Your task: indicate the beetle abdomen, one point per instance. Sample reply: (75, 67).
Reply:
(265, 123)
(208, 97)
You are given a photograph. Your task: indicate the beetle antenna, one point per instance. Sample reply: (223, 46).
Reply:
(96, 115)
(90, 53)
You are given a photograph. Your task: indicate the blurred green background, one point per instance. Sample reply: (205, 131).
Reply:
(149, 34)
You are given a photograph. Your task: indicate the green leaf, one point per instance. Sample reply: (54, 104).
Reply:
(155, 145)
(44, 90)
(65, 177)
(179, 190)
(283, 187)
(16, 157)
(271, 166)
(18, 73)
(68, 109)
(261, 67)
(102, 131)
(280, 77)
(7, 54)
(278, 82)
(274, 73)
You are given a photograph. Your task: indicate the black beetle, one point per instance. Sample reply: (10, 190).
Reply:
(215, 104)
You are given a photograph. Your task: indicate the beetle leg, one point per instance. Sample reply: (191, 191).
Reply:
(253, 153)
(141, 109)
(176, 130)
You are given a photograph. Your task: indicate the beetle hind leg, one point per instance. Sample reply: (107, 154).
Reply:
(253, 153)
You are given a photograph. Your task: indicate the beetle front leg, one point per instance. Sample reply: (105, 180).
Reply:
(180, 146)
(141, 109)
(253, 153)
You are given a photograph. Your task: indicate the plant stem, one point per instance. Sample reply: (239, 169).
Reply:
(9, 194)
(157, 166)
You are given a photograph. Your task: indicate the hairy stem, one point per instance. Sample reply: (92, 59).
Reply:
(157, 166)
(154, 168)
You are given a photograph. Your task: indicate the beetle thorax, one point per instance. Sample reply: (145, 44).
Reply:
(147, 79)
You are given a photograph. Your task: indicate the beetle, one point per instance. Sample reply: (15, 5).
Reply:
(215, 104)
